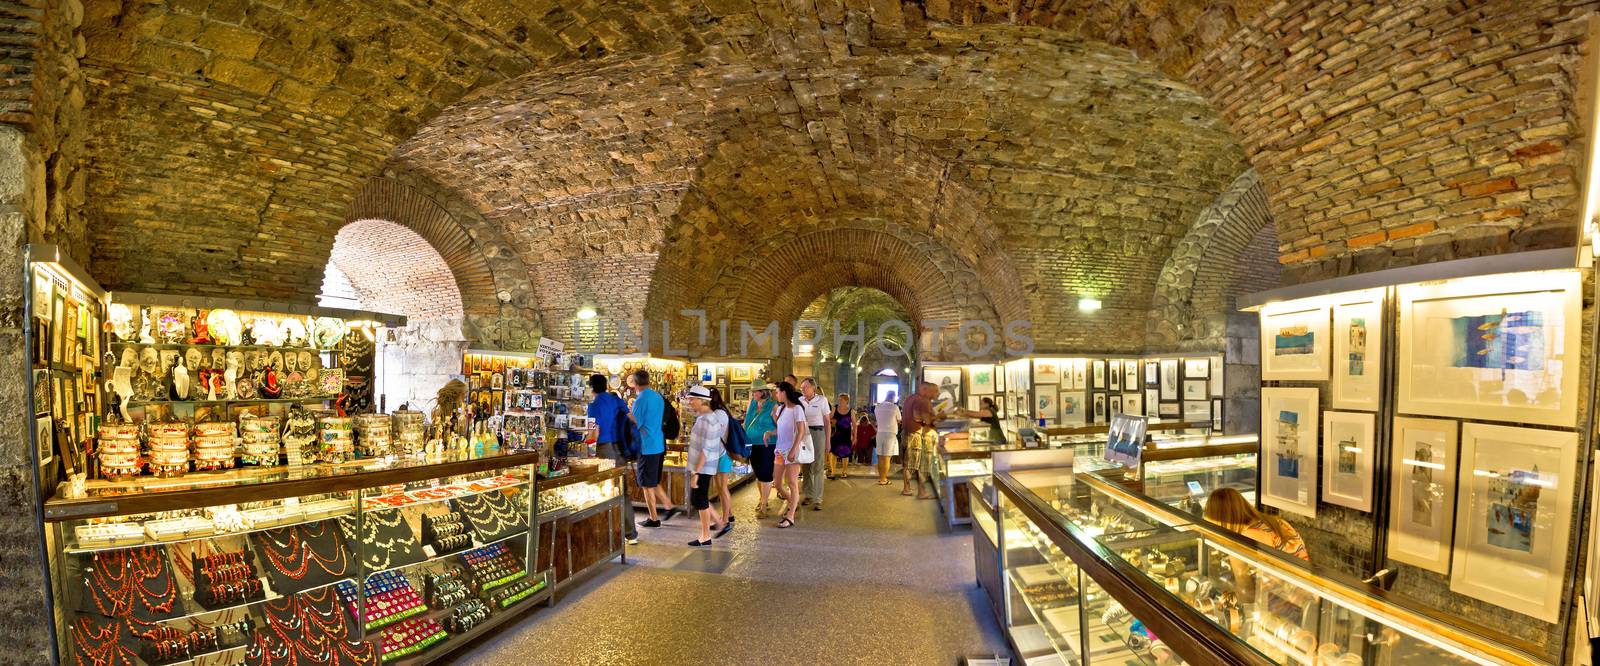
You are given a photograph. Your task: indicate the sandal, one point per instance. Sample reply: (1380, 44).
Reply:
(906, 492)
(883, 483)
(785, 523)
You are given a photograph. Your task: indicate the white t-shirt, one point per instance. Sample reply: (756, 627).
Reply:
(888, 416)
(816, 410)
(709, 428)
(790, 421)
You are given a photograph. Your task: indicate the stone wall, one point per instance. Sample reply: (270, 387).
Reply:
(394, 270)
(423, 357)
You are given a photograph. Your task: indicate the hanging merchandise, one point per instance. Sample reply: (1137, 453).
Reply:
(260, 438)
(327, 332)
(337, 437)
(300, 437)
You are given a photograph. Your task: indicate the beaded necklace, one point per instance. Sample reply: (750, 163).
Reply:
(99, 647)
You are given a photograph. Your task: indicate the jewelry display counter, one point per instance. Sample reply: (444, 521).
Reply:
(355, 563)
(1094, 572)
(581, 518)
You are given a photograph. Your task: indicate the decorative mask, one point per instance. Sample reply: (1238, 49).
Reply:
(149, 361)
(275, 359)
(130, 358)
(191, 359)
(219, 360)
(290, 362)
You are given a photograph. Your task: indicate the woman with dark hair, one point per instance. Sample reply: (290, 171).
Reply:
(758, 429)
(794, 447)
(989, 413)
(725, 466)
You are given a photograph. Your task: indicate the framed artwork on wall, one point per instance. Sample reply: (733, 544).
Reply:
(1294, 341)
(1196, 368)
(1099, 409)
(1357, 350)
(1514, 517)
(1169, 410)
(1114, 376)
(44, 439)
(1152, 375)
(1197, 411)
(1133, 404)
(1216, 414)
(1289, 449)
(949, 382)
(1046, 371)
(1114, 405)
(1216, 375)
(1348, 439)
(740, 373)
(1169, 379)
(1501, 347)
(1044, 402)
(1099, 373)
(57, 319)
(982, 377)
(1195, 389)
(1422, 478)
(1072, 408)
(1130, 375)
(1068, 377)
(1152, 402)
(1080, 371)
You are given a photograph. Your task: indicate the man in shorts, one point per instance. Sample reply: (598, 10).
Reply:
(648, 408)
(917, 423)
(887, 415)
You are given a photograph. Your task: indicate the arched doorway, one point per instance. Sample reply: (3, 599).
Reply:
(859, 347)
(382, 266)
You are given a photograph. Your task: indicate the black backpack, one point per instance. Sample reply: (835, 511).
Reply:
(669, 422)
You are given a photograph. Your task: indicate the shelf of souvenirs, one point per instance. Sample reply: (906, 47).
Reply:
(453, 605)
(1156, 556)
(125, 344)
(148, 494)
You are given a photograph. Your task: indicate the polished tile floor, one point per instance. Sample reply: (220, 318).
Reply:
(869, 580)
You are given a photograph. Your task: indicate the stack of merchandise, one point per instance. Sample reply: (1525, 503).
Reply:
(260, 434)
(410, 433)
(492, 566)
(118, 450)
(214, 446)
(225, 579)
(446, 533)
(338, 438)
(169, 448)
(373, 437)
(300, 438)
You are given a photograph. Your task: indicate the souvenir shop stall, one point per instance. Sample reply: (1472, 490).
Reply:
(1422, 428)
(1068, 402)
(733, 379)
(216, 489)
(543, 401)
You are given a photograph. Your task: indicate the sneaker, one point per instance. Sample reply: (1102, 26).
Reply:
(633, 541)
(699, 544)
(817, 506)
(724, 531)
(651, 523)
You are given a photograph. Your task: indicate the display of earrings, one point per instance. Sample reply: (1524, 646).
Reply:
(260, 437)
(410, 637)
(337, 436)
(300, 443)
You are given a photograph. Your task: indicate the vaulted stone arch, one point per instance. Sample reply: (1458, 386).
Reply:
(1227, 252)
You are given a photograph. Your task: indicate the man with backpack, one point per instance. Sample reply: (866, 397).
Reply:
(608, 419)
(648, 411)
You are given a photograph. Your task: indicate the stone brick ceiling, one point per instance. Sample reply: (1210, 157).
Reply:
(394, 269)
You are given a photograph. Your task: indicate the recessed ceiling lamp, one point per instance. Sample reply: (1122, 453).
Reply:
(587, 313)
(1087, 304)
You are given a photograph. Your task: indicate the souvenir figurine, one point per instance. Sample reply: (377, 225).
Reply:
(202, 329)
(269, 383)
(230, 377)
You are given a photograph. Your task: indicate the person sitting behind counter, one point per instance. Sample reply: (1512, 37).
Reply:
(1228, 508)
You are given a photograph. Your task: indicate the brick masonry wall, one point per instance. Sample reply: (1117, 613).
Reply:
(394, 269)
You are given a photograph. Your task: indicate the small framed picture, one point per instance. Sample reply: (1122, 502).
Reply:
(1171, 409)
(1196, 368)
(741, 373)
(57, 317)
(57, 398)
(44, 439)
(1195, 389)
(41, 392)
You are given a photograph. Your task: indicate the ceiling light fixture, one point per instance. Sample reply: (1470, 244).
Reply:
(587, 313)
(1087, 304)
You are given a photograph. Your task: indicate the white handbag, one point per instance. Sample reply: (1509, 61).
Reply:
(806, 454)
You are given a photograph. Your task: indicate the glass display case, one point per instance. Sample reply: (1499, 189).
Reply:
(365, 562)
(582, 516)
(1096, 572)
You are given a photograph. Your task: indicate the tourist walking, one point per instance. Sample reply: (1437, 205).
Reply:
(793, 444)
(818, 423)
(887, 413)
(608, 420)
(706, 451)
(724, 466)
(918, 426)
(842, 435)
(759, 428)
(648, 410)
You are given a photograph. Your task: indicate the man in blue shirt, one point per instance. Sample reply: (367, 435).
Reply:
(608, 416)
(648, 408)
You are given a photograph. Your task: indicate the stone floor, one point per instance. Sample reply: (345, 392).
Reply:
(869, 580)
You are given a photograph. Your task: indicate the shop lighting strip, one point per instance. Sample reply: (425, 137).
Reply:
(1515, 262)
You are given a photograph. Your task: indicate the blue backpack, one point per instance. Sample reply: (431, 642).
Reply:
(737, 443)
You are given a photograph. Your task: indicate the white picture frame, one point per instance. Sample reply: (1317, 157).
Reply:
(1497, 348)
(1196, 368)
(1098, 373)
(1289, 449)
(1217, 425)
(1196, 389)
(1357, 337)
(1114, 376)
(1080, 371)
(1294, 341)
(1047, 371)
(1133, 403)
(1152, 403)
(1422, 499)
(1514, 517)
(1197, 411)
(1167, 409)
(1169, 379)
(982, 380)
(949, 382)
(1130, 377)
(1114, 405)
(1044, 402)
(1099, 414)
(1216, 375)
(1073, 409)
(1348, 443)
(1152, 373)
